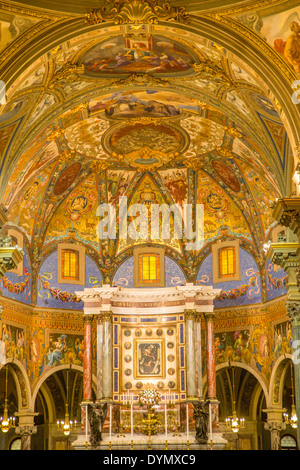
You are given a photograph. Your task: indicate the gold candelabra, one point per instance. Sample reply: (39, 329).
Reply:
(293, 420)
(66, 425)
(6, 422)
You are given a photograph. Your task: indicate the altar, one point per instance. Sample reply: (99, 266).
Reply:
(149, 340)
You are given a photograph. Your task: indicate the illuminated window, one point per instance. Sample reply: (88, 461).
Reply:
(149, 268)
(226, 261)
(227, 265)
(70, 265)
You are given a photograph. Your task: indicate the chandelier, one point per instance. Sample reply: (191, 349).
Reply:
(6, 422)
(293, 420)
(233, 422)
(67, 425)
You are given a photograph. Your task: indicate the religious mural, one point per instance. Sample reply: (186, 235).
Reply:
(151, 54)
(78, 213)
(281, 31)
(233, 346)
(14, 339)
(60, 295)
(243, 292)
(143, 103)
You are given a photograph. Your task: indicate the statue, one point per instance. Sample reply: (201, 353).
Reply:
(201, 414)
(97, 414)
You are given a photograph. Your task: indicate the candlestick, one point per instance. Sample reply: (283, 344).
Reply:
(86, 423)
(110, 420)
(187, 421)
(210, 422)
(131, 421)
(166, 422)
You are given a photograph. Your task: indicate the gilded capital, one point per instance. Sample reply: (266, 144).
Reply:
(88, 319)
(106, 317)
(190, 314)
(209, 316)
(293, 311)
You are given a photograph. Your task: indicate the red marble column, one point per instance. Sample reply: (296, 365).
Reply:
(211, 365)
(87, 358)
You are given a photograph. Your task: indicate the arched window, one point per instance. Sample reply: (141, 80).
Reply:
(288, 442)
(15, 444)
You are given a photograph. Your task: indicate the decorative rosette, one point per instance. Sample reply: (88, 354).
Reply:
(149, 397)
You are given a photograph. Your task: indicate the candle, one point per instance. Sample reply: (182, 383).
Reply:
(86, 422)
(110, 419)
(131, 419)
(210, 422)
(187, 421)
(166, 422)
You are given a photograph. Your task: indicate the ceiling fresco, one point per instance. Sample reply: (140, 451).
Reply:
(155, 113)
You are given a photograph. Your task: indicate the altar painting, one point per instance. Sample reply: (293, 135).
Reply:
(149, 359)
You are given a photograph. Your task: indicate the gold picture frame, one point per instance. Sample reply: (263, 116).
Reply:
(149, 358)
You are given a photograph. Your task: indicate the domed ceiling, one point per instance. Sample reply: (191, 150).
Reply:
(152, 112)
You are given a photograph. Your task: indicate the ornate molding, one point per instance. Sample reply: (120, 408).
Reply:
(136, 12)
(10, 256)
(26, 430)
(69, 72)
(293, 311)
(287, 213)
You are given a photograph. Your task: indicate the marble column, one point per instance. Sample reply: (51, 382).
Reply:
(99, 356)
(211, 366)
(190, 354)
(275, 426)
(293, 311)
(26, 428)
(107, 358)
(87, 358)
(198, 354)
(286, 253)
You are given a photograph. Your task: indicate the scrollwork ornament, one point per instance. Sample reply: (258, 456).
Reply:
(136, 12)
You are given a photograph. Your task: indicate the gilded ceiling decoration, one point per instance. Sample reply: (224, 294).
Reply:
(140, 103)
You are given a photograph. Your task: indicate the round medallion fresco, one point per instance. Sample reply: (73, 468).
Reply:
(227, 175)
(145, 144)
(66, 178)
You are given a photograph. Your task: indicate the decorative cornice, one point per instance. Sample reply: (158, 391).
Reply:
(136, 12)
